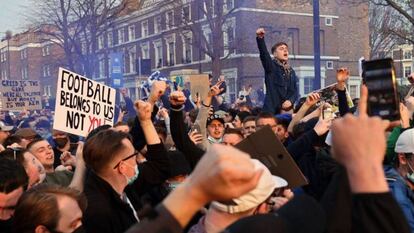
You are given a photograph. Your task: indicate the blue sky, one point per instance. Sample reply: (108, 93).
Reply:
(11, 15)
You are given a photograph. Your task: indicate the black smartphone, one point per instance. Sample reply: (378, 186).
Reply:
(73, 148)
(379, 77)
(223, 87)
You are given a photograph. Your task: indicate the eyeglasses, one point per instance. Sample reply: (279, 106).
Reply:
(134, 154)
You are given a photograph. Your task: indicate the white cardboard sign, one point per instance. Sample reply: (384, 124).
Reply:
(82, 104)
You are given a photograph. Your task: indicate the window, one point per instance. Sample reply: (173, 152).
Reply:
(407, 71)
(329, 65)
(228, 38)
(110, 39)
(293, 40)
(228, 5)
(23, 54)
(101, 68)
(132, 93)
(187, 48)
(328, 21)
(46, 50)
(24, 73)
(171, 53)
(207, 34)
(158, 53)
(47, 90)
(83, 47)
(131, 32)
(144, 28)
(169, 19)
(3, 56)
(208, 8)
(186, 13)
(4, 74)
(157, 25)
(322, 42)
(121, 36)
(307, 85)
(230, 76)
(145, 50)
(408, 55)
(46, 71)
(132, 58)
(100, 42)
(353, 91)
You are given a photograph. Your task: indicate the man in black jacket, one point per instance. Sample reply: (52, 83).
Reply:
(115, 183)
(280, 78)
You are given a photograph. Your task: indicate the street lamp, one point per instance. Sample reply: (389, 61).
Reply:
(8, 37)
(316, 46)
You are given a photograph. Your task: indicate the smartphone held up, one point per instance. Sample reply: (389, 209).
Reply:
(383, 99)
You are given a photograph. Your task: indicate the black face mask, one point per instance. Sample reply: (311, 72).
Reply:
(79, 230)
(6, 225)
(61, 142)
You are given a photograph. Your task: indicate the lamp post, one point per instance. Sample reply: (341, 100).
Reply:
(8, 37)
(316, 46)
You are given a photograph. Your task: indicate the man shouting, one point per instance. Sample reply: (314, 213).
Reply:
(280, 78)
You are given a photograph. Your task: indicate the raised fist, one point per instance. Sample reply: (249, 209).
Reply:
(260, 32)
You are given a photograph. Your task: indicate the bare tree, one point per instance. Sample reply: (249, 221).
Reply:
(75, 25)
(381, 37)
(391, 22)
(95, 17)
(213, 33)
(54, 19)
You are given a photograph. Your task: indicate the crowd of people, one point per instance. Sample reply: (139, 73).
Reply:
(170, 164)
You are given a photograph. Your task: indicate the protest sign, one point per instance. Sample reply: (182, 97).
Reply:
(199, 85)
(267, 148)
(20, 95)
(82, 104)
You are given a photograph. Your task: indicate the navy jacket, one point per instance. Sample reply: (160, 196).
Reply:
(402, 194)
(279, 86)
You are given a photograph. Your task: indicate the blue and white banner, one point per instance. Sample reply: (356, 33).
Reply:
(116, 70)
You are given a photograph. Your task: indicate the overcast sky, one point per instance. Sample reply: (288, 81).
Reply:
(11, 15)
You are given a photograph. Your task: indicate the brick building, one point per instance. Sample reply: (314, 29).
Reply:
(29, 56)
(152, 29)
(403, 62)
(153, 32)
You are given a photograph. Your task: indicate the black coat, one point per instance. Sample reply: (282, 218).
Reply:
(279, 85)
(106, 211)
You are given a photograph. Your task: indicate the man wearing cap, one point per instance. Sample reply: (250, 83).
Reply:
(4, 133)
(401, 178)
(260, 200)
(215, 129)
(27, 135)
